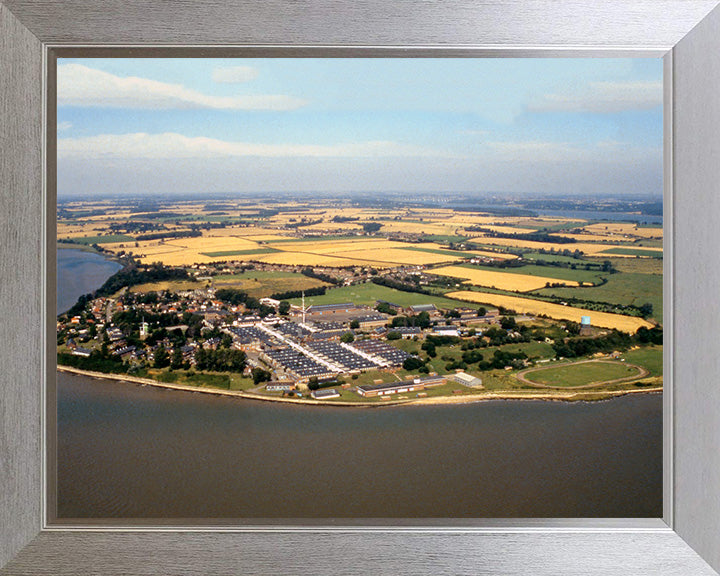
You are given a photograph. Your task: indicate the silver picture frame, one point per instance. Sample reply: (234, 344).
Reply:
(685, 33)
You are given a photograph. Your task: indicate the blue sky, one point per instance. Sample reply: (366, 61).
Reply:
(568, 126)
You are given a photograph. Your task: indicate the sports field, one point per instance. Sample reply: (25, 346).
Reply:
(368, 294)
(582, 374)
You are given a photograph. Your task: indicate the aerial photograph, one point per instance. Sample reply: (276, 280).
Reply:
(294, 289)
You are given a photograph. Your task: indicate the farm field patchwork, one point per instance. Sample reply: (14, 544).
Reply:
(647, 252)
(551, 272)
(557, 311)
(515, 282)
(369, 293)
(624, 288)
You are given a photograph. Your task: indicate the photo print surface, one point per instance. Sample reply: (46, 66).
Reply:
(348, 288)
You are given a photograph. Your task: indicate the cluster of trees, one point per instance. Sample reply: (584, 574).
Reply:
(371, 227)
(574, 347)
(317, 291)
(133, 274)
(385, 308)
(652, 335)
(310, 273)
(220, 360)
(172, 234)
(96, 362)
(235, 297)
(398, 285)
(538, 236)
(341, 219)
(421, 320)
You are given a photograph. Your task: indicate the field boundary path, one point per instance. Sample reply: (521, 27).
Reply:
(642, 373)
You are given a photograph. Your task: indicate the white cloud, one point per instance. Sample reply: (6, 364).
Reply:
(234, 74)
(80, 85)
(173, 146)
(64, 126)
(545, 152)
(603, 97)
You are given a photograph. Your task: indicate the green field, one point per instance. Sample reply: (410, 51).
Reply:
(261, 283)
(368, 293)
(572, 375)
(419, 248)
(447, 238)
(550, 257)
(587, 276)
(638, 265)
(240, 252)
(650, 242)
(110, 238)
(633, 289)
(534, 351)
(649, 357)
(633, 252)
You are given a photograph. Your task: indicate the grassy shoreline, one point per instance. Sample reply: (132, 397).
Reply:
(562, 396)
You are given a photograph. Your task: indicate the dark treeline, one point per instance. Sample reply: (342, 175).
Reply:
(130, 275)
(391, 283)
(531, 236)
(220, 360)
(171, 234)
(96, 362)
(317, 291)
(421, 320)
(310, 273)
(133, 275)
(574, 347)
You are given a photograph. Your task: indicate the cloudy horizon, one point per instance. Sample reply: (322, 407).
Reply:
(566, 126)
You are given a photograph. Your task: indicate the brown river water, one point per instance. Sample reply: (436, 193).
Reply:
(126, 451)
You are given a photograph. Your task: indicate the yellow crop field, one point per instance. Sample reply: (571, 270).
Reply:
(215, 243)
(487, 254)
(305, 259)
(589, 249)
(509, 229)
(332, 226)
(335, 246)
(526, 306)
(78, 231)
(433, 227)
(500, 280)
(398, 256)
(624, 228)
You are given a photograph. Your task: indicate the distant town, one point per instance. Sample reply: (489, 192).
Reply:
(330, 301)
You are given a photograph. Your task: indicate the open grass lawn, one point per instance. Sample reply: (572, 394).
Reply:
(109, 239)
(260, 284)
(581, 374)
(623, 288)
(634, 252)
(587, 276)
(638, 265)
(651, 242)
(368, 293)
(649, 357)
(170, 285)
(550, 257)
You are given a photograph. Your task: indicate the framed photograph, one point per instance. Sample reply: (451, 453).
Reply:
(48, 509)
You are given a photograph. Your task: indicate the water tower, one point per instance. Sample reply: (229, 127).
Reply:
(585, 326)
